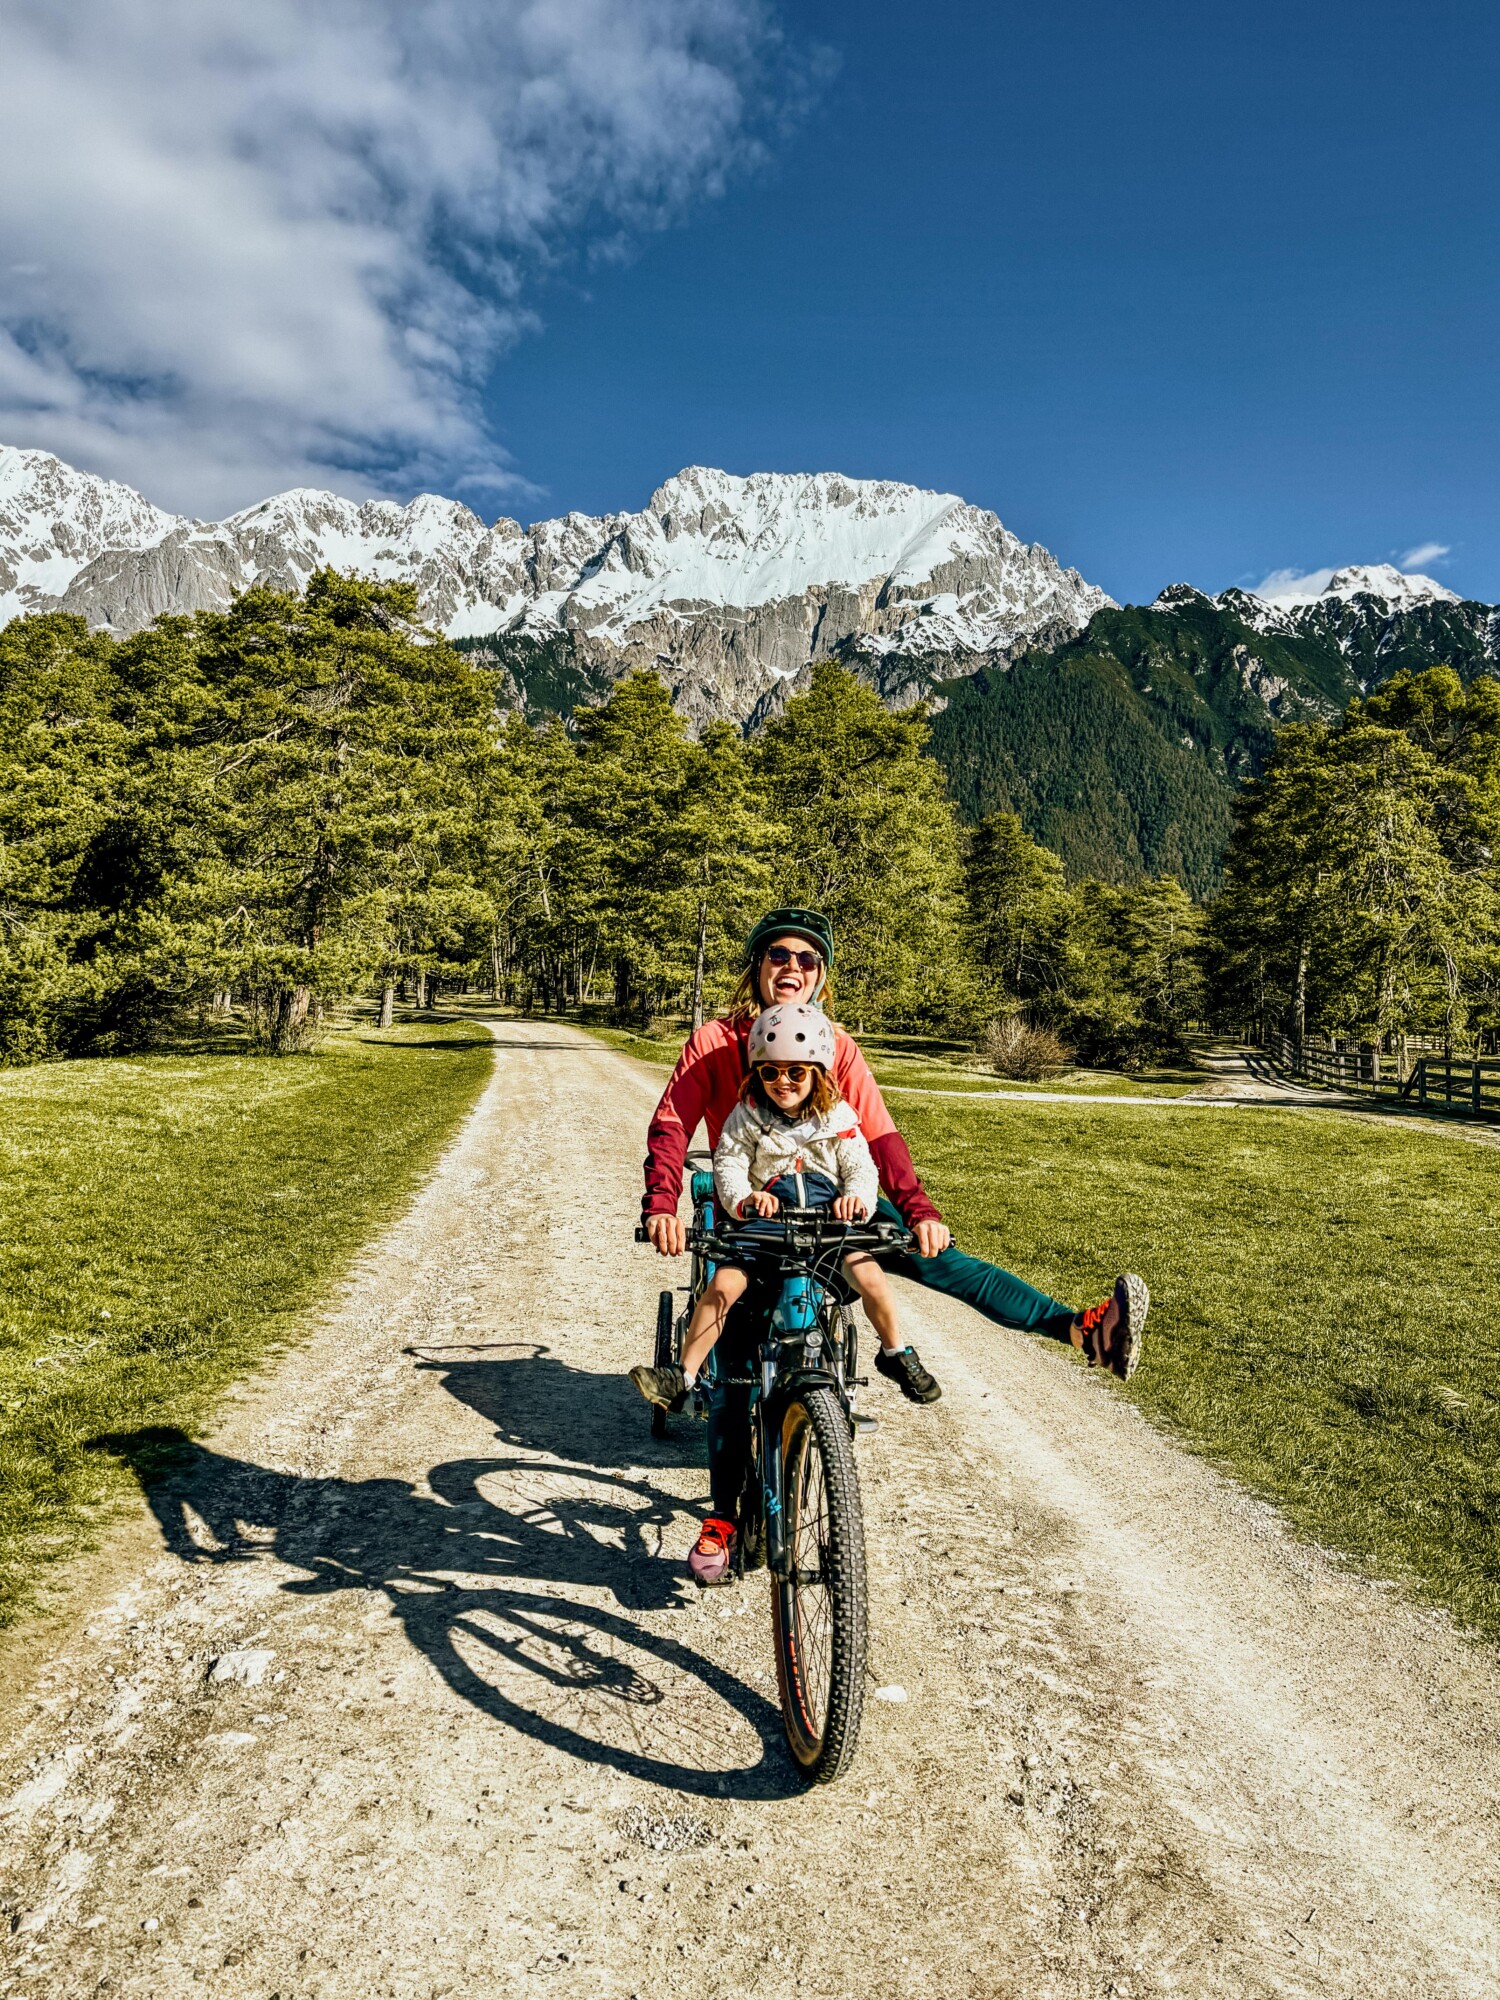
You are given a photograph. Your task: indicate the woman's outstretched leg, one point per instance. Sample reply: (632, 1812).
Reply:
(1108, 1333)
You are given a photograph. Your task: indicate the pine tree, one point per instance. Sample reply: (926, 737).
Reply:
(62, 752)
(1021, 915)
(327, 773)
(866, 832)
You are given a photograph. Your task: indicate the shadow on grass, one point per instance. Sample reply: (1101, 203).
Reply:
(375, 1040)
(533, 1581)
(548, 1048)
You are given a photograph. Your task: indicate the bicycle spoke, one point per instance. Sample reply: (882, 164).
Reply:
(814, 1611)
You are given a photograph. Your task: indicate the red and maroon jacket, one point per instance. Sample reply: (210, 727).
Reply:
(706, 1085)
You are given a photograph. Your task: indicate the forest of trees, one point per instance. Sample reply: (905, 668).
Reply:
(1362, 879)
(297, 800)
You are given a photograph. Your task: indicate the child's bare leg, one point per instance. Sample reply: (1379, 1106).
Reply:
(898, 1363)
(722, 1290)
(867, 1278)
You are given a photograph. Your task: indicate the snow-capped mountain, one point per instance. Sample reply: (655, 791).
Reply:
(730, 586)
(1402, 589)
(1367, 622)
(55, 521)
(1383, 587)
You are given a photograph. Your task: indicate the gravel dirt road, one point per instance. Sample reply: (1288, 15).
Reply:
(407, 1696)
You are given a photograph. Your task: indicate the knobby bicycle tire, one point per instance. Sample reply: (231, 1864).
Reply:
(820, 1612)
(666, 1354)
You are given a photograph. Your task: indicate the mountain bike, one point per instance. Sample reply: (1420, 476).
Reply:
(800, 1516)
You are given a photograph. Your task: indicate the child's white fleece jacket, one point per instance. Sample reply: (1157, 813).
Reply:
(757, 1147)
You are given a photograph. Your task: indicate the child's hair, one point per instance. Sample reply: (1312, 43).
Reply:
(820, 1099)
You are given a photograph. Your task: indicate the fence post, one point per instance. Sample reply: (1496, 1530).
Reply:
(1478, 1075)
(1421, 1079)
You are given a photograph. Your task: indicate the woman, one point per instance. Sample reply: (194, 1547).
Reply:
(787, 960)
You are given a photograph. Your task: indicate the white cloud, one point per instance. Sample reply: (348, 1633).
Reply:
(247, 246)
(1423, 554)
(1293, 586)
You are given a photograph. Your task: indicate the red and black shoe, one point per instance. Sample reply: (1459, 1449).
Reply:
(1112, 1330)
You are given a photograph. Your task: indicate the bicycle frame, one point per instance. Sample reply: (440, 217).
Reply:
(811, 1249)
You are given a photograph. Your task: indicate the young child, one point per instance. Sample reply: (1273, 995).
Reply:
(790, 1140)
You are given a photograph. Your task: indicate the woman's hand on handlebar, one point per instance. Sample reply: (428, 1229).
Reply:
(933, 1238)
(666, 1233)
(849, 1208)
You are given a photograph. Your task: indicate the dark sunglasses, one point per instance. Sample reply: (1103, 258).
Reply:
(774, 1072)
(805, 961)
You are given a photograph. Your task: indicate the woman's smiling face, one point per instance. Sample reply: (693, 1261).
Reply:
(785, 985)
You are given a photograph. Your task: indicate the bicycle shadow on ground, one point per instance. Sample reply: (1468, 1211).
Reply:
(536, 1401)
(529, 1586)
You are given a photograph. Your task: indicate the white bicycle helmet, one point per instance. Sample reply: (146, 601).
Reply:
(792, 1034)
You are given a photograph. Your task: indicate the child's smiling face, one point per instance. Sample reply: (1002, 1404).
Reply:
(785, 1094)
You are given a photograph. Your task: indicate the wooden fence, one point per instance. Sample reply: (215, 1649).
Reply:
(1463, 1084)
(1473, 1087)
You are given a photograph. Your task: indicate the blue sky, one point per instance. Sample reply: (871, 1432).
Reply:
(1182, 291)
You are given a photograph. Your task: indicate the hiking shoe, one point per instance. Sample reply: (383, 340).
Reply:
(711, 1555)
(1112, 1329)
(903, 1366)
(662, 1386)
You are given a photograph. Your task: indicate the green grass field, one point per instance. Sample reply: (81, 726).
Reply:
(662, 1050)
(916, 1063)
(166, 1221)
(1327, 1298)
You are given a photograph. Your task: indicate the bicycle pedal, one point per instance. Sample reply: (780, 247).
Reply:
(863, 1423)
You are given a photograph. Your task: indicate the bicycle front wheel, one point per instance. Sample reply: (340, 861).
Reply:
(820, 1608)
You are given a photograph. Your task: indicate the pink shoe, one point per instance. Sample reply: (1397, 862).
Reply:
(1112, 1329)
(712, 1553)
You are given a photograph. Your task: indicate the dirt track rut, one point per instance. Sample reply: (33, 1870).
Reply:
(471, 1735)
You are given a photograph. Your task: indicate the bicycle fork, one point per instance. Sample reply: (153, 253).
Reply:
(795, 1317)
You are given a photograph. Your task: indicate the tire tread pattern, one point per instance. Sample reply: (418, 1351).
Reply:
(827, 1760)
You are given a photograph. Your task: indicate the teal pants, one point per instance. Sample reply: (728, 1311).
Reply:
(1008, 1300)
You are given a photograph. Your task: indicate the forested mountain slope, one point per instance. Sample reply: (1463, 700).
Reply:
(1117, 735)
(1121, 748)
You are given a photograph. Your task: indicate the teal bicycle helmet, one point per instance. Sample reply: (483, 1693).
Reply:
(809, 924)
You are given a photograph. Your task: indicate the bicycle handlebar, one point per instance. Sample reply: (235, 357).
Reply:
(816, 1224)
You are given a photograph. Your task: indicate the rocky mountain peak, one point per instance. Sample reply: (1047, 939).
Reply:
(729, 584)
(1393, 586)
